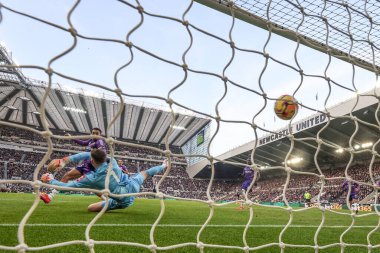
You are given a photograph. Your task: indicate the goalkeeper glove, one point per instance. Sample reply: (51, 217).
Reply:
(57, 164)
(47, 177)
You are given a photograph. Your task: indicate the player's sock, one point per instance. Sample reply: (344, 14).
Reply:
(157, 169)
(52, 194)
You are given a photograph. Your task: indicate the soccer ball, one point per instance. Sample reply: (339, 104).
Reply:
(286, 107)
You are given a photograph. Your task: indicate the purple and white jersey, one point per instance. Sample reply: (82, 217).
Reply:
(354, 188)
(248, 173)
(124, 168)
(86, 167)
(92, 144)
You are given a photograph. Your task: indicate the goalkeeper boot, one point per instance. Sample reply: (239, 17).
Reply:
(45, 197)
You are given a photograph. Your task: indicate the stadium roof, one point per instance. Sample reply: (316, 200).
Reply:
(20, 99)
(272, 148)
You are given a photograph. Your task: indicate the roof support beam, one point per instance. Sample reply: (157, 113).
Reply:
(122, 121)
(24, 112)
(9, 114)
(9, 96)
(104, 112)
(167, 130)
(183, 132)
(158, 116)
(141, 113)
(39, 105)
(83, 103)
(60, 98)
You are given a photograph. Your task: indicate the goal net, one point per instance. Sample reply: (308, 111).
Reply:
(226, 61)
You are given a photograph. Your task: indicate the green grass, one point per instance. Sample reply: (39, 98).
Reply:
(180, 224)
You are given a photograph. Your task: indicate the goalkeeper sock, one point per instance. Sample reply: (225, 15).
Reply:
(53, 193)
(157, 169)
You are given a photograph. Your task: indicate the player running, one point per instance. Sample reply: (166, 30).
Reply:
(248, 175)
(355, 188)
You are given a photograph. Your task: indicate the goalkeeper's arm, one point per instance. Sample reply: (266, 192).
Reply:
(58, 164)
(86, 182)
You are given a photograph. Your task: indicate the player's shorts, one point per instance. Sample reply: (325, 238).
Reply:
(86, 167)
(119, 203)
(246, 184)
(133, 187)
(352, 197)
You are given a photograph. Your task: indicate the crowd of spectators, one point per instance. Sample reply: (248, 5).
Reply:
(19, 164)
(21, 136)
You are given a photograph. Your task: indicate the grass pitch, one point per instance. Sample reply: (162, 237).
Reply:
(65, 219)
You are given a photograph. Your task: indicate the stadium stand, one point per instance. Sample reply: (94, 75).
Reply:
(18, 161)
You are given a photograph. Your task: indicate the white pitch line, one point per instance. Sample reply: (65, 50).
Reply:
(175, 225)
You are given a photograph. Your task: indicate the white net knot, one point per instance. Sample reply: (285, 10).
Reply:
(369, 246)
(328, 79)
(140, 9)
(232, 44)
(266, 55)
(264, 95)
(281, 245)
(185, 67)
(167, 152)
(288, 169)
(210, 202)
(118, 91)
(129, 44)
(353, 214)
(105, 193)
(90, 243)
(249, 203)
(49, 71)
(254, 126)
(316, 247)
(322, 208)
(152, 247)
(230, 3)
(319, 141)
(300, 71)
(374, 153)
(73, 32)
(290, 136)
(46, 133)
(36, 184)
(322, 177)
(289, 209)
(169, 101)
(217, 118)
(246, 249)
(185, 22)
(22, 247)
(200, 245)
(342, 244)
(160, 195)
(110, 140)
(354, 118)
(224, 78)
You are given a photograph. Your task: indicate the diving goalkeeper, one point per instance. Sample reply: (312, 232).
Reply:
(120, 183)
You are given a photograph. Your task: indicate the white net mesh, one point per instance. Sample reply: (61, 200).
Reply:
(247, 68)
